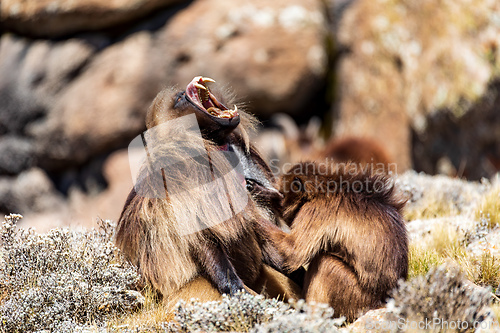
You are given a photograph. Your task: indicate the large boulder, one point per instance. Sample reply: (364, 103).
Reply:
(16, 154)
(32, 73)
(67, 102)
(407, 65)
(273, 54)
(30, 191)
(55, 18)
(85, 96)
(32, 76)
(102, 108)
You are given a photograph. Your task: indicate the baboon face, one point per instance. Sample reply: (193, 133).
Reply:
(264, 196)
(214, 118)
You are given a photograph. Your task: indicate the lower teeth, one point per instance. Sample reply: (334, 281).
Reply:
(219, 113)
(213, 111)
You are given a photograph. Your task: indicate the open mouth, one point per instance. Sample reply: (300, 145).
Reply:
(199, 94)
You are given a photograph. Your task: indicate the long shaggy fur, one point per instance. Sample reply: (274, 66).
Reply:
(171, 225)
(347, 225)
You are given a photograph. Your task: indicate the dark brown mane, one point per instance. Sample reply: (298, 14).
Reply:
(189, 221)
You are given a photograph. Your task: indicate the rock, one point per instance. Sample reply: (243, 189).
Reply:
(487, 243)
(470, 143)
(78, 103)
(81, 209)
(32, 74)
(109, 203)
(29, 192)
(406, 65)
(449, 196)
(104, 107)
(378, 320)
(70, 102)
(56, 18)
(273, 54)
(18, 105)
(16, 154)
(36, 191)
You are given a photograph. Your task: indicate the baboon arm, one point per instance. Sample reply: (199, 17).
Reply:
(299, 246)
(215, 265)
(271, 254)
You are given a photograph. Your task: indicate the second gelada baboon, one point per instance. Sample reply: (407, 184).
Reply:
(347, 226)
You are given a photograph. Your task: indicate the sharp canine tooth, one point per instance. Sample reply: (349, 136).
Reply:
(207, 79)
(235, 109)
(200, 86)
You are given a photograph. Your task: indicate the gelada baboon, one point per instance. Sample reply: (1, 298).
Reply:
(195, 217)
(346, 224)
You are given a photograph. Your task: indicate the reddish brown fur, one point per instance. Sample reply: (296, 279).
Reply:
(352, 236)
(359, 150)
(229, 255)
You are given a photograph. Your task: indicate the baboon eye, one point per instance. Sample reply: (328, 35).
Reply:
(250, 185)
(178, 99)
(296, 185)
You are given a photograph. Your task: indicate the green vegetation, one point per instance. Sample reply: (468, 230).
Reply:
(432, 206)
(422, 260)
(446, 245)
(489, 208)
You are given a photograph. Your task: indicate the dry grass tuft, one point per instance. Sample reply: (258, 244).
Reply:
(445, 244)
(153, 316)
(489, 208)
(445, 240)
(422, 260)
(496, 311)
(434, 206)
(489, 270)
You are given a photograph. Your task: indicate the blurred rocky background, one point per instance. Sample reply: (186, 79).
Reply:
(420, 77)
